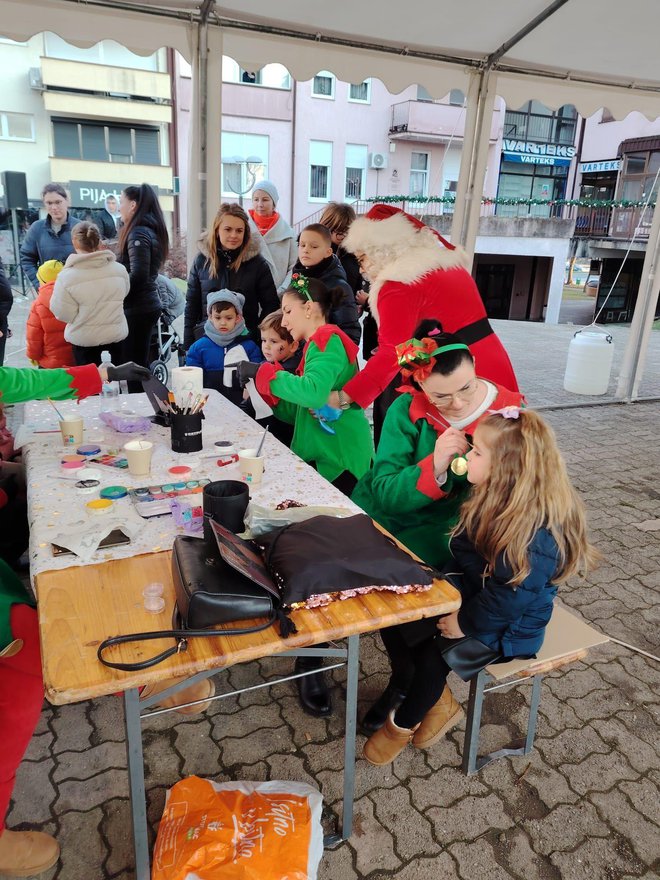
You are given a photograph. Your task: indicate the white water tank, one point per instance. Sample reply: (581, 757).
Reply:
(589, 362)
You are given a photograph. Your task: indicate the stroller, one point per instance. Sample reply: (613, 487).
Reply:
(165, 341)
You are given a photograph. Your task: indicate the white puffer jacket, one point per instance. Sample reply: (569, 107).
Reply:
(89, 297)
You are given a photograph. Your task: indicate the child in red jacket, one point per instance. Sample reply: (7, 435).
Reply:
(44, 334)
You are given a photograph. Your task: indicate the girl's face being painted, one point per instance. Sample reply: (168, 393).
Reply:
(454, 396)
(298, 317)
(479, 457)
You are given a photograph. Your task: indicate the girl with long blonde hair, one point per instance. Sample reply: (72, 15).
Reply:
(521, 532)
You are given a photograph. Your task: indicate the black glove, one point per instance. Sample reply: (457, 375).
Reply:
(246, 371)
(130, 372)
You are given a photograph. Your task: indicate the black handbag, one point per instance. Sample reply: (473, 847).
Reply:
(209, 592)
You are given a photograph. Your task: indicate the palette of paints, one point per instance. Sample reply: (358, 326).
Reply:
(155, 500)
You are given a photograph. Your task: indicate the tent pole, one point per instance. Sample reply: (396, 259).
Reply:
(480, 106)
(640, 328)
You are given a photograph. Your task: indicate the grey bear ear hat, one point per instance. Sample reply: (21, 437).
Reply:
(269, 188)
(237, 300)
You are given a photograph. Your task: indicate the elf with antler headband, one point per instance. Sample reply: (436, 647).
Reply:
(415, 275)
(417, 482)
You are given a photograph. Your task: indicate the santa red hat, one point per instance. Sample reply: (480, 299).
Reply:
(385, 226)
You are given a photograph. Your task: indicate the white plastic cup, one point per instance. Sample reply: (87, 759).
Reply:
(72, 431)
(138, 455)
(251, 466)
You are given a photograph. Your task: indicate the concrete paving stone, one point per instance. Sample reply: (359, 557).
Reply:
(570, 746)
(83, 852)
(374, 844)
(444, 788)
(476, 861)
(200, 756)
(114, 830)
(82, 795)
(83, 765)
(598, 772)
(412, 831)
(641, 756)
(550, 785)
(597, 858)
(243, 723)
(33, 795)
(337, 864)
(71, 728)
(643, 835)
(438, 867)
(565, 827)
(643, 795)
(39, 747)
(468, 818)
(514, 853)
(107, 717)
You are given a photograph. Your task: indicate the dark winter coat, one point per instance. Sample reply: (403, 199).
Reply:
(41, 244)
(253, 279)
(331, 272)
(142, 256)
(508, 619)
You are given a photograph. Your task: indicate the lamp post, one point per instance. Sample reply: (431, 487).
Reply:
(250, 163)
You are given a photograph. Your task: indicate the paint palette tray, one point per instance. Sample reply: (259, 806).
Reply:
(155, 500)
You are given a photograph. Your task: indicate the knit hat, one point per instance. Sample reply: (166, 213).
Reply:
(267, 187)
(49, 271)
(237, 300)
(385, 226)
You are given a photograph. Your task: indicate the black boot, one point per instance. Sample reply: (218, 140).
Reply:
(313, 689)
(376, 716)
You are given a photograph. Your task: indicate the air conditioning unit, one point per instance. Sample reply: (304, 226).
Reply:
(377, 160)
(35, 79)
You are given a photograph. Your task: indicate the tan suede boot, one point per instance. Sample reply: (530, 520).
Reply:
(438, 720)
(385, 744)
(27, 853)
(201, 690)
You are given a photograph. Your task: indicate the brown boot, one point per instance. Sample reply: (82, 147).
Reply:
(438, 720)
(385, 744)
(27, 853)
(201, 690)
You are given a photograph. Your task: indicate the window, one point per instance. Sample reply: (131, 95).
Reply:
(535, 122)
(244, 162)
(323, 85)
(419, 174)
(356, 171)
(16, 127)
(106, 143)
(360, 92)
(320, 163)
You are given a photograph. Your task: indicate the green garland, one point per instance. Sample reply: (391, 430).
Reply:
(450, 200)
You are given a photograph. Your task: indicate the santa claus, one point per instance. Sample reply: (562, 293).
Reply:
(415, 274)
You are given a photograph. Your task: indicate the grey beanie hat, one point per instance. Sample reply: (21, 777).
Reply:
(267, 187)
(237, 300)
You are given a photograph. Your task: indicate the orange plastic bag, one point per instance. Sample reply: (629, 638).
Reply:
(239, 831)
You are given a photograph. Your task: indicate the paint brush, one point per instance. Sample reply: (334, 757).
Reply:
(59, 414)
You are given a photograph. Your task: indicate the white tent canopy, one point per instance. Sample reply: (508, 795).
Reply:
(581, 52)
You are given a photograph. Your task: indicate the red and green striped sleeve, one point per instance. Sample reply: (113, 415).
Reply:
(20, 385)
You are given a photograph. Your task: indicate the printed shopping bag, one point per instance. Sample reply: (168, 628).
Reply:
(239, 831)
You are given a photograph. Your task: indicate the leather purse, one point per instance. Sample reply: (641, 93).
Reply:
(209, 592)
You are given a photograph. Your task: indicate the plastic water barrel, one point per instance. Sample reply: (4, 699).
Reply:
(589, 362)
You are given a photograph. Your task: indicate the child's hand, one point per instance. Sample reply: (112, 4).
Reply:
(448, 445)
(448, 626)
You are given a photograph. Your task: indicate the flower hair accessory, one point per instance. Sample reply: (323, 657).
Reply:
(300, 283)
(507, 412)
(417, 356)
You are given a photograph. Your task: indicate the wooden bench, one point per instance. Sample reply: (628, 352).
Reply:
(567, 639)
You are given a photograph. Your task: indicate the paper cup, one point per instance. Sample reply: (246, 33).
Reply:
(251, 466)
(72, 431)
(138, 455)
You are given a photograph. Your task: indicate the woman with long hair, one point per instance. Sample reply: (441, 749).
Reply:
(143, 247)
(229, 259)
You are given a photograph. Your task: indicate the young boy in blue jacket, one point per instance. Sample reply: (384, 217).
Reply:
(226, 342)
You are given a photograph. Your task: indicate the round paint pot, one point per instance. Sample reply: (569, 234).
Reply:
(180, 471)
(87, 487)
(114, 492)
(88, 449)
(99, 505)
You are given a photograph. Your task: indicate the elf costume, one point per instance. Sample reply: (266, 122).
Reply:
(329, 360)
(401, 493)
(21, 685)
(419, 275)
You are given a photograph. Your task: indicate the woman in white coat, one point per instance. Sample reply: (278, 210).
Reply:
(89, 297)
(278, 240)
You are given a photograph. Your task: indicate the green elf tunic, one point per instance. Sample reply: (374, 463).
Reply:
(18, 386)
(329, 360)
(401, 493)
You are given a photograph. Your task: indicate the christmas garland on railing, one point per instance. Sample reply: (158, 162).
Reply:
(450, 200)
